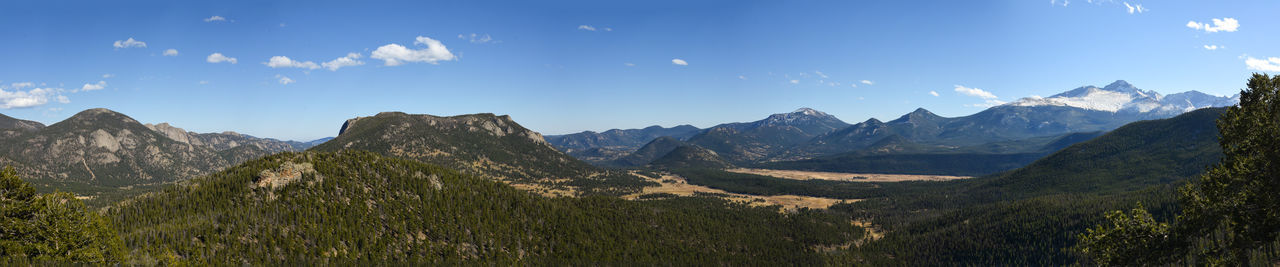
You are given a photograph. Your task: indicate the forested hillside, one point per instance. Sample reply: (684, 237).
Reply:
(359, 206)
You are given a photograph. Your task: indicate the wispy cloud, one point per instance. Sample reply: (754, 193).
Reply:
(129, 43)
(1135, 8)
(795, 81)
(1271, 64)
(170, 52)
(283, 79)
(820, 74)
(476, 38)
(867, 82)
(629, 64)
(351, 59)
(934, 93)
(587, 28)
(1223, 24)
(21, 85)
(286, 62)
(680, 62)
(215, 18)
(396, 54)
(219, 58)
(108, 75)
(94, 86)
(1212, 47)
(974, 92)
(742, 77)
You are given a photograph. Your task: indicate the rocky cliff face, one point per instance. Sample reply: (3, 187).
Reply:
(220, 141)
(105, 148)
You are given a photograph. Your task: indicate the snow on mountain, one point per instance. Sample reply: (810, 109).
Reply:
(802, 115)
(1121, 96)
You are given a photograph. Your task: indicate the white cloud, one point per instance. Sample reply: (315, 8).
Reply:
(203, 82)
(795, 81)
(130, 43)
(1212, 47)
(934, 93)
(629, 64)
(352, 59)
(742, 77)
(284, 80)
(680, 62)
(587, 28)
(1271, 64)
(820, 74)
(219, 58)
(974, 92)
(866, 82)
(476, 38)
(171, 52)
(22, 85)
(285, 62)
(215, 18)
(94, 86)
(854, 85)
(1223, 24)
(32, 98)
(108, 75)
(1135, 8)
(396, 54)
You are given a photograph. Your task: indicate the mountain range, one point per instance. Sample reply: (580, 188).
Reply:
(1009, 128)
(612, 144)
(100, 149)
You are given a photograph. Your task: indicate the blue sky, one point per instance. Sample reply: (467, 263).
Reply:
(562, 67)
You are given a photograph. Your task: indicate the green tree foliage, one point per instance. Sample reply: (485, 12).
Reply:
(360, 206)
(1112, 242)
(51, 227)
(1232, 214)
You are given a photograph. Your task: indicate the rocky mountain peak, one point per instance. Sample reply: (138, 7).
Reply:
(1120, 86)
(920, 114)
(800, 116)
(100, 116)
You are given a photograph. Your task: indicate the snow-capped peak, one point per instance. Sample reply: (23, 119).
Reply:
(809, 112)
(1120, 96)
(800, 115)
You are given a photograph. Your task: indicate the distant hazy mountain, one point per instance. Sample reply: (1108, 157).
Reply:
(612, 144)
(484, 144)
(753, 141)
(300, 146)
(1085, 109)
(1122, 97)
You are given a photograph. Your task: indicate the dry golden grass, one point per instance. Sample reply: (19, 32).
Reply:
(677, 185)
(544, 190)
(838, 176)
